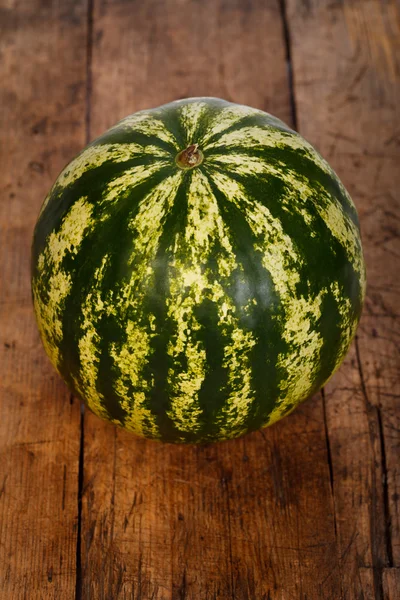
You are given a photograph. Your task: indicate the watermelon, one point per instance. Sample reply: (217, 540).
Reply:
(197, 271)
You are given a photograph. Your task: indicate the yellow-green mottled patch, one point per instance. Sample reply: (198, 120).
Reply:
(230, 115)
(301, 361)
(190, 115)
(233, 416)
(250, 137)
(344, 230)
(190, 284)
(348, 325)
(88, 345)
(282, 261)
(147, 227)
(49, 313)
(49, 298)
(95, 156)
(130, 358)
(129, 180)
(185, 385)
(299, 192)
(149, 125)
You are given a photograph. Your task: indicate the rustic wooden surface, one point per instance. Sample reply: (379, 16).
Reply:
(305, 510)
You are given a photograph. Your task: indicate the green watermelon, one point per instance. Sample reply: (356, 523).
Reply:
(197, 271)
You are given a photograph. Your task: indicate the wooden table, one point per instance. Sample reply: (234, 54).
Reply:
(307, 509)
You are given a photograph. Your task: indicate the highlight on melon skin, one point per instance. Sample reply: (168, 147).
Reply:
(197, 272)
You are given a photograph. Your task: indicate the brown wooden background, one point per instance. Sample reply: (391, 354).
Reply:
(306, 510)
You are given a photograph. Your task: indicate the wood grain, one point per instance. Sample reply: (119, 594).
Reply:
(307, 509)
(42, 96)
(391, 584)
(240, 519)
(149, 53)
(347, 101)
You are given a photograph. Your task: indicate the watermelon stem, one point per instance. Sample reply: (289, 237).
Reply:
(189, 158)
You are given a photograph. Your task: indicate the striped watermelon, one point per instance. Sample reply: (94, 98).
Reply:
(197, 271)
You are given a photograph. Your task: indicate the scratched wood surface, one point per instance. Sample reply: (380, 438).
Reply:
(42, 116)
(307, 509)
(354, 103)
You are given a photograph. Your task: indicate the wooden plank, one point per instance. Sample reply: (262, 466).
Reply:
(282, 525)
(367, 583)
(42, 125)
(346, 65)
(391, 584)
(153, 52)
(252, 518)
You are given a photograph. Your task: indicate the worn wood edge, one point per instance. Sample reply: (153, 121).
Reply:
(40, 419)
(380, 424)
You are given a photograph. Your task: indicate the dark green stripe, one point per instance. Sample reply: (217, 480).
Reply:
(254, 120)
(294, 159)
(125, 135)
(265, 318)
(323, 255)
(92, 184)
(155, 303)
(109, 237)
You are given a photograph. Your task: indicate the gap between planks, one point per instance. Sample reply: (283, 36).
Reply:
(88, 105)
(289, 64)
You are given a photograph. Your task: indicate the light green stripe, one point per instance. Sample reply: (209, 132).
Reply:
(129, 180)
(93, 308)
(147, 227)
(301, 362)
(281, 260)
(348, 324)
(148, 125)
(67, 240)
(237, 359)
(190, 115)
(131, 357)
(95, 156)
(224, 119)
(250, 137)
(299, 192)
(189, 286)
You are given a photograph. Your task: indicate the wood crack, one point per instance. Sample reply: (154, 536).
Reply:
(112, 518)
(378, 562)
(289, 62)
(388, 525)
(225, 480)
(331, 479)
(89, 79)
(328, 446)
(78, 584)
(89, 50)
